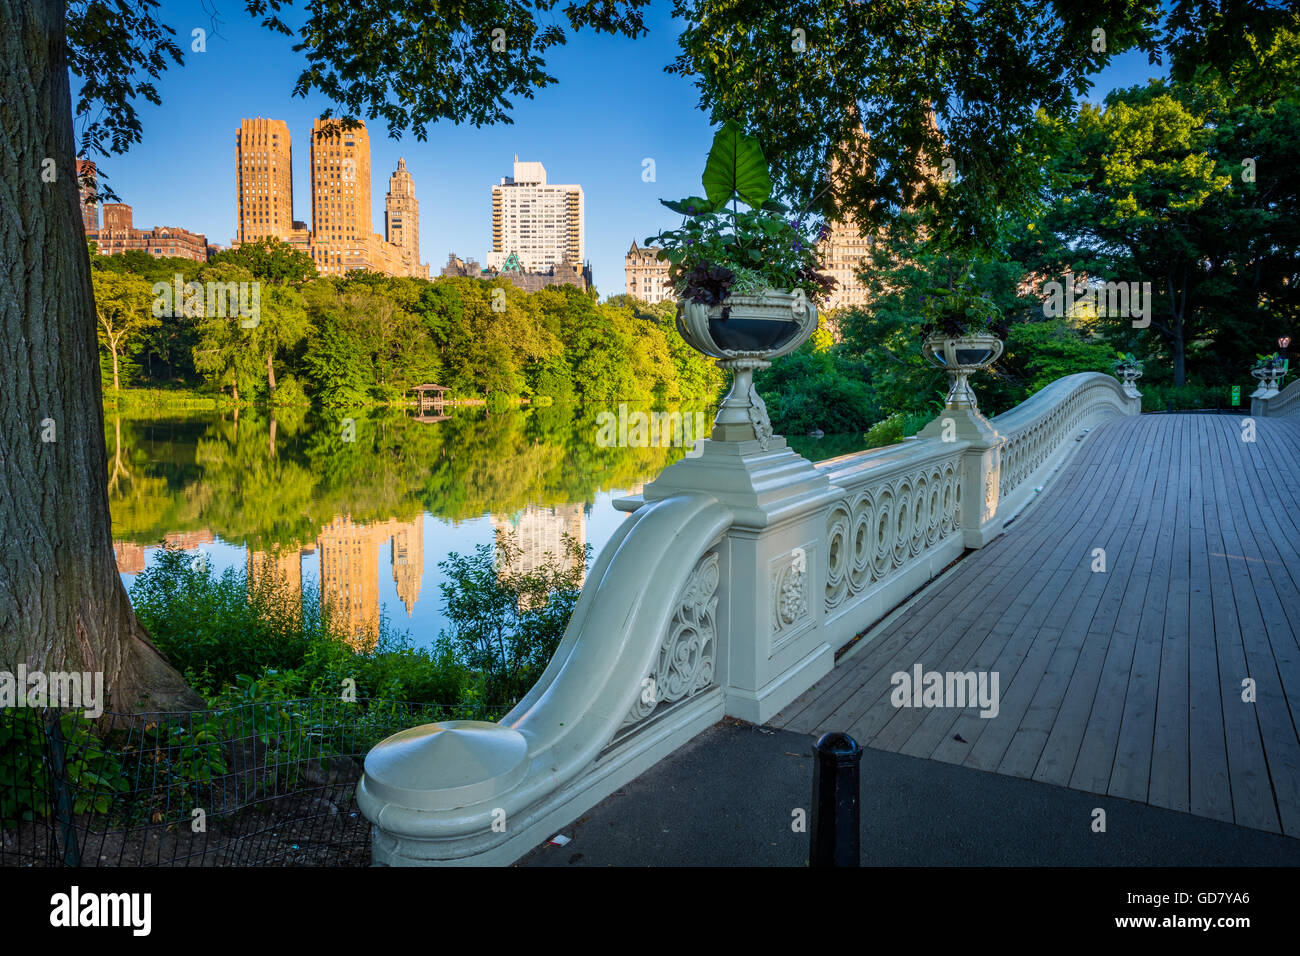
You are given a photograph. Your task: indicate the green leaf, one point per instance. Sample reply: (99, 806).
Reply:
(736, 166)
(700, 205)
(773, 206)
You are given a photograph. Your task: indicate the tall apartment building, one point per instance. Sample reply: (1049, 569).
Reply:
(540, 223)
(263, 179)
(340, 197)
(845, 252)
(646, 275)
(402, 214)
(341, 236)
(87, 189)
(845, 249)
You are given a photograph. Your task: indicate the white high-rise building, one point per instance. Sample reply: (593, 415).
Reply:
(540, 223)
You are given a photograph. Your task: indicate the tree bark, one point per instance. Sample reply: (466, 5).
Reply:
(270, 374)
(62, 603)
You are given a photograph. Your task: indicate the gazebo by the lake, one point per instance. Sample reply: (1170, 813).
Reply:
(430, 397)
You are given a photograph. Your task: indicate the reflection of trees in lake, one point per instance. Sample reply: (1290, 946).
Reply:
(282, 487)
(190, 473)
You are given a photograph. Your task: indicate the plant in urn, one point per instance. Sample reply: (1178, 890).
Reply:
(1128, 369)
(962, 333)
(747, 279)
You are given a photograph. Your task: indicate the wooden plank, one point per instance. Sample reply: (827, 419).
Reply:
(1252, 797)
(1131, 774)
(1252, 592)
(1170, 781)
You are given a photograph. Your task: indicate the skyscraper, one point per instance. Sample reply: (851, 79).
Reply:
(402, 216)
(342, 236)
(87, 188)
(263, 179)
(540, 223)
(340, 197)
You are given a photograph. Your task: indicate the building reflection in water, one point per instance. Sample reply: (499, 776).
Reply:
(349, 571)
(349, 568)
(350, 553)
(539, 532)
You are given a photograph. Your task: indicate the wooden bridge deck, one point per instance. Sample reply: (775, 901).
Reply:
(1128, 682)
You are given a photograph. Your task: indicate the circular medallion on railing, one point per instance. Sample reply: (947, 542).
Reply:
(934, 506)
(883, 560)
(949, 501)
(902, 521)
(920, 515)
(837, 554)
(863, 542)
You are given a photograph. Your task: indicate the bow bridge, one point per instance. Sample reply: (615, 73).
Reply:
(1127, 586)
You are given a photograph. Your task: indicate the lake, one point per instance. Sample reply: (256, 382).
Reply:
(363, 505)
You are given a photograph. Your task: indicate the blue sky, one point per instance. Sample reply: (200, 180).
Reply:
(612, 107)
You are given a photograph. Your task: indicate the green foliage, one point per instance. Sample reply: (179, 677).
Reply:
(368, 339)
(241, 640)
(1194, 396)
(813, 389)
(220, 627)
(94, 776)
(887, 431)
(499, 402)
(894, 428)
(1040, 352)
(269, 260)
(720, 250)
(736, 167)
(506, 619)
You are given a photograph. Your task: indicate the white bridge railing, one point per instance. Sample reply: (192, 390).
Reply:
(727, 590)
(1279, 404)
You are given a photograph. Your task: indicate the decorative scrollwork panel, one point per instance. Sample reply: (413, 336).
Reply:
(688, 653)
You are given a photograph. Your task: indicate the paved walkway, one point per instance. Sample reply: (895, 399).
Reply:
(1127, 683)
(728, 798)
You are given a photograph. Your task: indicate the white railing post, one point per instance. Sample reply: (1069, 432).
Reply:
(981, 468)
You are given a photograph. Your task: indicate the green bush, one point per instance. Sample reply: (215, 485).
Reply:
(816, 390)
(501, 402)
(224, 633)
(887, 431)
(508, 622)
(94, 774)
(1189, 397)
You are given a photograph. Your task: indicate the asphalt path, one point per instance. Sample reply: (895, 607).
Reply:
(728, 798)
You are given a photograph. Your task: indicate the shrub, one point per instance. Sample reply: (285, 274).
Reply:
(508, 621)
(887, 431)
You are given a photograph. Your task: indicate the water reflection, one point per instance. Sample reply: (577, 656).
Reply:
(366, 505)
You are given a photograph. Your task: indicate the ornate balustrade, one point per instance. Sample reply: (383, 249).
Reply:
(896, 526)
(727, 590)
(1283, 403)
(1039, 430)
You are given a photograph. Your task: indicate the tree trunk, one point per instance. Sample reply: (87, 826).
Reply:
(270, 375)
(117, 385)
(62, 604)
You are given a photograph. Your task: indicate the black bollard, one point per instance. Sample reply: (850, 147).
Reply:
(834, 833)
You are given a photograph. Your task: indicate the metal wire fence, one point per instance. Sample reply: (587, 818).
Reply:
(262, 783)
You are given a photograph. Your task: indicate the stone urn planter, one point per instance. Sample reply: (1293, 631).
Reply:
(745, 333)
(1129, 374)
(1268, 377)
(959, 356)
